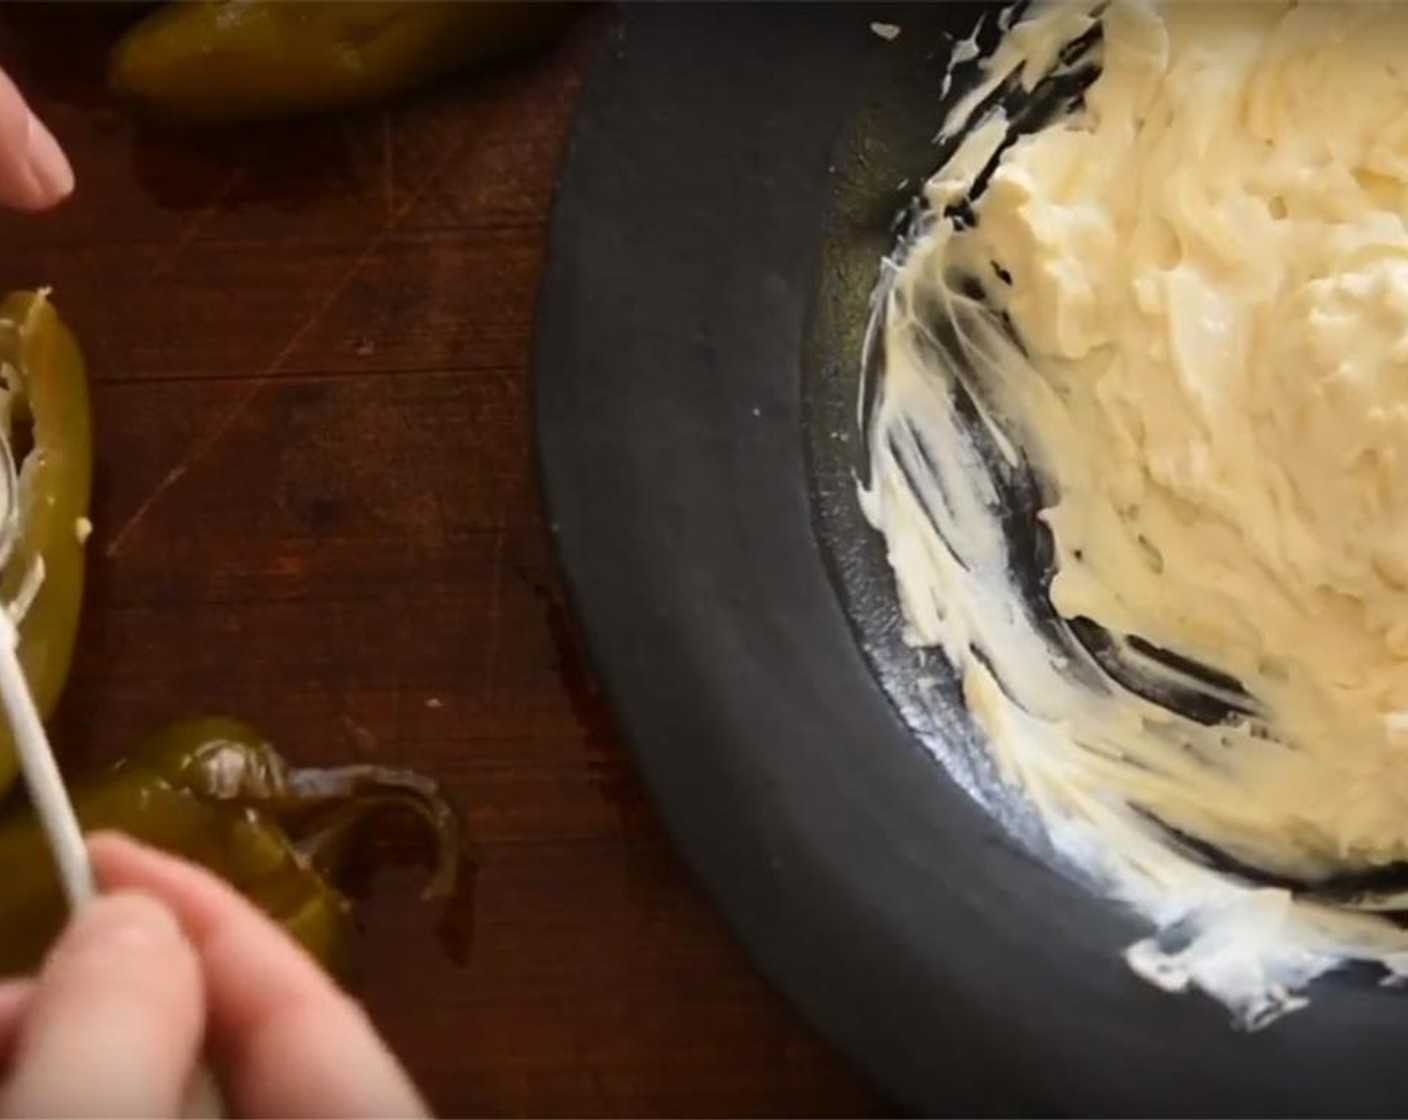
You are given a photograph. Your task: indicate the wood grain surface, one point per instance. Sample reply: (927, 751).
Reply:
(316, 509)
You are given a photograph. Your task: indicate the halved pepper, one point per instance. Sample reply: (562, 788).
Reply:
(215, 792)
(44, 412)
(240, 60)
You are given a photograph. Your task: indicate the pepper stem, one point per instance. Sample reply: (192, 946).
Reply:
(342, 799)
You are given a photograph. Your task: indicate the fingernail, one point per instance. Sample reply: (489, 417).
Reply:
(47, 162)
(120, 923)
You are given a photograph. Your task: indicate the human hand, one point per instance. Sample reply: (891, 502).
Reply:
(170, 968)
(34, 172)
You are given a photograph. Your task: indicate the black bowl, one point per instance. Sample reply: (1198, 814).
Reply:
(734, 177)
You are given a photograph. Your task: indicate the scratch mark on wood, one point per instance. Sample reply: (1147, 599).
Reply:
(203, 443)
(493, 639)
(398, 641)
(166, 262)
(603, 1095)
(363, 742)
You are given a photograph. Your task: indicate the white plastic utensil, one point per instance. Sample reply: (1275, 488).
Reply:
(36, 758)
(41, 773)
(47, 792)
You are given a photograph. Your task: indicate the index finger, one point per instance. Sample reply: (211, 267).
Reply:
(284, 1038)
(34, 172)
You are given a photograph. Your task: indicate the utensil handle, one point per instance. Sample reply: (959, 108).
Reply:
(41, 772)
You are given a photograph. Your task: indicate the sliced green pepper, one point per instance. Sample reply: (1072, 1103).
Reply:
(45, 415)
(239, 60)
(215, 792)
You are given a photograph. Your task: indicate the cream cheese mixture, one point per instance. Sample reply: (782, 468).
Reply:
(1183, 308)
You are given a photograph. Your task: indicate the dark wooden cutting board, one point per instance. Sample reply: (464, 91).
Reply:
(316, 509)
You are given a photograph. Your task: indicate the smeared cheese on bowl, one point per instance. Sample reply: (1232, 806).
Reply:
(1161, 282)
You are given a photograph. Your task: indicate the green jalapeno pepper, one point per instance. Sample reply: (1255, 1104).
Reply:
(215, 792)
(239, 60)
(45, 415)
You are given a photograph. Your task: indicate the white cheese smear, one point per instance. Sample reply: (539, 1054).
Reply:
(1181, 308)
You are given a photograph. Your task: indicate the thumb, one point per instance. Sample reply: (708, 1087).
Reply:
(114, 1022)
